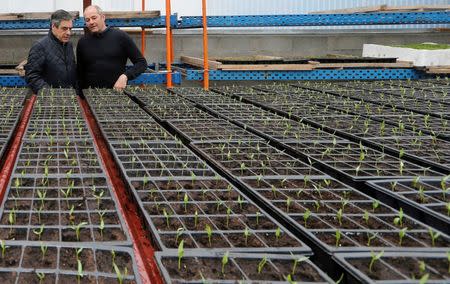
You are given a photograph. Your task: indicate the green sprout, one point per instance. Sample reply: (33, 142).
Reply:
(433, 235)
(424, 278)
(224, 261)
(179, 233)
(258, 214)
(43, 248)
(261, 264)
(41, 277)
(180, 253)
(79, 271)
(297, 260)
(337, 236)
(185, 201)
(195, 218)
(209, 233)
(77, 229)
(339, 216)
(398, 221)
(3, 246)
(119, 275)
(278, 233)
(306, 216)
(246, 235)
(375, 257)
(375, 205)
(39, 231)
(288, 203)
(401, 235)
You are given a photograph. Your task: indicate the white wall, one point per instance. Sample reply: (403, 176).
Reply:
(215, 7)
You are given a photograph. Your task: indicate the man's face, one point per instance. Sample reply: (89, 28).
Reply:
(94, 21)
(63, 32)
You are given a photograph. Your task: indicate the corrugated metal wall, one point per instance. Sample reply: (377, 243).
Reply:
(215, 7)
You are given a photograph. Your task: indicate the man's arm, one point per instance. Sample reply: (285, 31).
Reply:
(35, 67)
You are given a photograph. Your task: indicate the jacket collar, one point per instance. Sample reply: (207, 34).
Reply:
(101, 34)
(55, 39)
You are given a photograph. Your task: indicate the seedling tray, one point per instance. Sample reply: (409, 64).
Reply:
(134, 130)
(203, 130)
(118, 112)
(293, 198)
(425, 195)
(12, 96)
(207, 267)
(178, 210)
(176, 111)
(90, 197)
(244, 159)
(69, 129)
(22, 263)
(158, 161)
(395, 267)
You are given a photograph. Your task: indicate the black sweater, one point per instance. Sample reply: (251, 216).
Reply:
(102, 57)
(51, 63)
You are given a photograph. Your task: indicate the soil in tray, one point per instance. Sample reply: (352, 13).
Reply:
(45, 218)
(47, 235)
(410, 267)
(33, 258)
(303, 273)
(217, 241)
(104, 261)
(379, 270)
(192, 269)
(68, 259)
(11, 258)
(170, 241)
(14, 234)
(8, 277)
(89, 279)
(268, 273)
(32, 278)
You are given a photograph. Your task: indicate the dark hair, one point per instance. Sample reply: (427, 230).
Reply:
(60, 15)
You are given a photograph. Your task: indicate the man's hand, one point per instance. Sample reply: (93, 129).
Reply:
(121, 83)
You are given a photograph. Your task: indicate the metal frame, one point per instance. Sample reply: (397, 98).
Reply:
(145, 78)
(341, 74)
(440, 17)
(79, 23)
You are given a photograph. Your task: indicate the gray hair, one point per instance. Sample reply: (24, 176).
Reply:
(59, 16)
(99, 10)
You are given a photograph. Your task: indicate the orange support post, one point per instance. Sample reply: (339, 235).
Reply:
(205, 47)
(143, 32)
(168, 46)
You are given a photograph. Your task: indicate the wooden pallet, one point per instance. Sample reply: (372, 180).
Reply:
(437, 69)
(385, 8)
(294, 65)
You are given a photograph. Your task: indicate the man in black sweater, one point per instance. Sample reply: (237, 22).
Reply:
(51, 61)
(102, 54)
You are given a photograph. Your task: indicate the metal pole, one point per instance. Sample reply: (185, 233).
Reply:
(168, 46)
(205, 47)
(143, 32)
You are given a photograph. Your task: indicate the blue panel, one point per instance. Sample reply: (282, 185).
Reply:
(441, 17)
(12, 81)
(344, 74)
(155, 78)
(79, 23)
(147, 78)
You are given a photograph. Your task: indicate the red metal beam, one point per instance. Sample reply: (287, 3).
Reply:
(169, 53)
(143, 249)
(13, 151)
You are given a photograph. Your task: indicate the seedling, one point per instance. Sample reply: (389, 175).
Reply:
(339, 216)
(79, 270)
(180, 253)
(41, 277)
(444, 186)
(274, 191)
(39, 231)
(228, 216)
(434, 236)
(306, 216)
(375, 257)
(179, 233)
(43, 250)
(277, 233)
(224, 261)
(77, 229)
(288, 203)
(209, 233)
(375, 205)
(289, 279)
(195, 218)
(297, 261)
(422, 267)
(246, 235)
(3, 246)
(366, 217)
(119, 275)
(240, 201)
(185, 202)
(398, 221)
(337, 236)
(370, 237)
(102, 222)
(424, 278)
(401, 235)
(261, 264)
(98, 196)
(167, 216)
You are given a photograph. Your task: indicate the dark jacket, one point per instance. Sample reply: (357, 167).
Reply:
(102, 58)
(51, 63)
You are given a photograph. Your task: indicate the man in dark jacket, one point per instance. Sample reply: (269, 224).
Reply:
(102, 54)
(51, 62)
